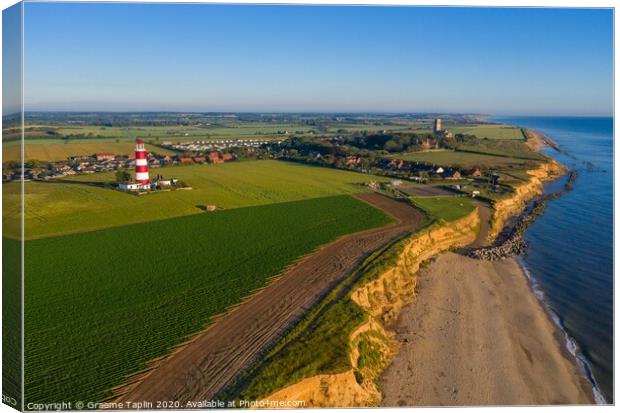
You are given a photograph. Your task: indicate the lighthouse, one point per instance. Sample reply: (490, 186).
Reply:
(142, 165)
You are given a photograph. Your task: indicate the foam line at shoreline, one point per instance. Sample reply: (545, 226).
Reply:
(569, 342)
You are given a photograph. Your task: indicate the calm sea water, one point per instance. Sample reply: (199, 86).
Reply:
(570, 254)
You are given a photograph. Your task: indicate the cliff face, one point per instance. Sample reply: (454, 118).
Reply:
(372, 345)
(507, 208)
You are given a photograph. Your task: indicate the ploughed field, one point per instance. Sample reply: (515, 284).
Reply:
(100, 305)
(80, 202)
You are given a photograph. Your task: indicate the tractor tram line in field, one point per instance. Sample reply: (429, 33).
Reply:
(212, 359)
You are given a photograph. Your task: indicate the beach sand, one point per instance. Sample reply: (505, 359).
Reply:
(477, 335)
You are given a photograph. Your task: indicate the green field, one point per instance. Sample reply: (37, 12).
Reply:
(74, 205)
(463, 159)
(11, 320)
(506, 148)
(101, 304)
(57, 150)
(444, 208)
(214, 129)
(488, 131)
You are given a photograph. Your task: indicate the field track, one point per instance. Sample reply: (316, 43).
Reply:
(199, 369)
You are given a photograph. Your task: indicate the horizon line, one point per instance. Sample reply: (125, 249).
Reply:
(318, 112)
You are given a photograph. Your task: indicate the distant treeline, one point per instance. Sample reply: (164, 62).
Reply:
(122, 119)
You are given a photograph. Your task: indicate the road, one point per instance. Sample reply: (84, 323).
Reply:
(201, 368)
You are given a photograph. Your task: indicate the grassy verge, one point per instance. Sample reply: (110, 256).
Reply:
(444, 208)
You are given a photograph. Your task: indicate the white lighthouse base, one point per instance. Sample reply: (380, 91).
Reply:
(133, 186)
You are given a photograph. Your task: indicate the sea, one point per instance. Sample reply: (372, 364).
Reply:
(569, 258)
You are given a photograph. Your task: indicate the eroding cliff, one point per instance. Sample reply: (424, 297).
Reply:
(372, 345)
(505, 209)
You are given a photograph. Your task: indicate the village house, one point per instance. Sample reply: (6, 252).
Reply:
(451, 174)
(352, 160)
(105, 156)
(474, 172)
(214, 157)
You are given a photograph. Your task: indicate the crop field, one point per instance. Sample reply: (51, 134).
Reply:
(56, 149)
(463, 159)
(76, 204)
(11, 319)
(226, 129)
(444, 208)
(512, 148)
(357, 127)
(132, 302)
(221, 129)
(217, 129)
(488, 131)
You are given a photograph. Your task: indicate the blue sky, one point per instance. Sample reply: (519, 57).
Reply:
(11, 60)
(120, 57)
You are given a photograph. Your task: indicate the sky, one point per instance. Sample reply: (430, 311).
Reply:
(11, 60)
(184, 57)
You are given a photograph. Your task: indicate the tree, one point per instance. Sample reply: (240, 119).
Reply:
(122, 176)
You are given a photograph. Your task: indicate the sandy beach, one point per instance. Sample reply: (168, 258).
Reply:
(477, 335)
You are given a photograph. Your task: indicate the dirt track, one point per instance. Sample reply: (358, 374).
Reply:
(201, 368)
(485, 213)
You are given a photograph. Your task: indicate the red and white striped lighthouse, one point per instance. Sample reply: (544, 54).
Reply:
(142, 165)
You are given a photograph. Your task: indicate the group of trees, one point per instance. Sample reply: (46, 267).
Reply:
(364, 144)
(122, 176)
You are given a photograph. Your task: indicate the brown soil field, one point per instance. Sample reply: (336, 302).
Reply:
(210, 360)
